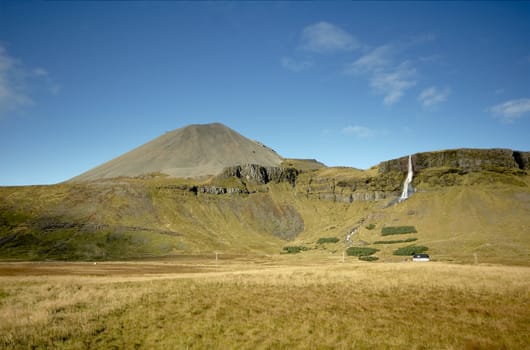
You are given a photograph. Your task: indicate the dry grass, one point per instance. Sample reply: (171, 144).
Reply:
(278, 303)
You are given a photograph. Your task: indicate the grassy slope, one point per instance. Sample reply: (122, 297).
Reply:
(485, 218)
(484, 214)
(136, 218)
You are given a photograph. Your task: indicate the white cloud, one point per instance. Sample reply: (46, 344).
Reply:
(391, 71)
(18, 81)
(324, 37)
(295, 66)
(373, 60)
(511, 110)
(39, 72)
(12, 87)
(393, 83)
(432, 96)
(359, 131)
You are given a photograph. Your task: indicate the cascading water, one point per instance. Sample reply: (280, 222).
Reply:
(407, 185)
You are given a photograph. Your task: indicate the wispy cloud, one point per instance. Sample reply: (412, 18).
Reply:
(511, 110)
(433, 96)
(16, 81)
(385, 76)
(295, 66)
(40, 72)
(390, 71)
(12, 89)
(373, 60)
(359, 131)
(324, 37)
(394, 82)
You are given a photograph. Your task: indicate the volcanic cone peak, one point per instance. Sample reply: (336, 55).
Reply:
(191, 151)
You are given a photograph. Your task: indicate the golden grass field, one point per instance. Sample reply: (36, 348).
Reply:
(263, 302)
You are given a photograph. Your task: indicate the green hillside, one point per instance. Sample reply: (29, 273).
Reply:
(477, 216)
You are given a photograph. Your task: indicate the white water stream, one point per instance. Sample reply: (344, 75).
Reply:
(407, 185)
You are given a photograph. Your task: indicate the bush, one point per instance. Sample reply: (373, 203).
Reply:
(327, 240)
(397, 230)
(360, 251)
(295, 249)
(412, 239)
(370, 227)
(410, 250)
(368, 258)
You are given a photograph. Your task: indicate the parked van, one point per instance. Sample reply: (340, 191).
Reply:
(421, 257)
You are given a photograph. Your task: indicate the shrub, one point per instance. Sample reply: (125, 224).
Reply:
(412, 239)
(397, 230)
(360, 251)
(370, 227)
(368, 258)
(327, 240)
(410, 250)
(295, 249)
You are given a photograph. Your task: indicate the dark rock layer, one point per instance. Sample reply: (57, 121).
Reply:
(466, 159)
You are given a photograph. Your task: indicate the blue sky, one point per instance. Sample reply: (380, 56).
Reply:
(347, 83)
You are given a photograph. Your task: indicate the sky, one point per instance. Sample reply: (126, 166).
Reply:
(346, 83)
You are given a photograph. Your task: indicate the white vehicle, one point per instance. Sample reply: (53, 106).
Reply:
(421, 257)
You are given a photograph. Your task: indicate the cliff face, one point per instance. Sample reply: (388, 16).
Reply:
(349, 189)
(258, 174)
(464, 159)
(442, 168)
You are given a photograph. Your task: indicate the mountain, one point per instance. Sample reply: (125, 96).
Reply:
(191, 151)
(467, 205)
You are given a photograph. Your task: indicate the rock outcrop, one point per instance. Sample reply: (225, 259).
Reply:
(348, 190)
(442, 168)
(465, 159)
(258, 174)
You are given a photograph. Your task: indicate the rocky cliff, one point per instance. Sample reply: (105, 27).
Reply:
(349, 188)
(347, 185)
(465, 159)
(258, 174)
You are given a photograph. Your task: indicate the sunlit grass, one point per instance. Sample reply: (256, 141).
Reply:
(307, 305)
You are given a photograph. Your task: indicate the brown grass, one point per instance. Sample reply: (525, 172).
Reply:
(273, 303)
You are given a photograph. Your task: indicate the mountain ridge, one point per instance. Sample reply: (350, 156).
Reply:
(192, 151)
(207, 150)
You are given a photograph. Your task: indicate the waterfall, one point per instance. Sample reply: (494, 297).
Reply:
(407, 185)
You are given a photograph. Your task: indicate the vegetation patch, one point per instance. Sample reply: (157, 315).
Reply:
(370, 226)
(295, 249)
(368, 258)
(327, 240)
(410, 250)
(397, 230)
(394, 241)
(361, 251)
